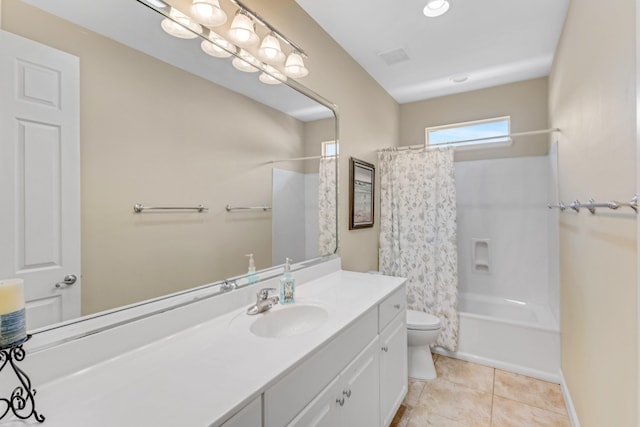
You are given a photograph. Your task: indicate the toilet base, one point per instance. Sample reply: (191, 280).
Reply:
(421, 365)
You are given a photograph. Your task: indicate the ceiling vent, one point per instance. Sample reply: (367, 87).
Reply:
(394, 56)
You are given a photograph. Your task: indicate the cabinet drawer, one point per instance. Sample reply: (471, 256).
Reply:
(394, 304)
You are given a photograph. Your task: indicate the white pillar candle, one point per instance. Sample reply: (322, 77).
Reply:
(12, 312)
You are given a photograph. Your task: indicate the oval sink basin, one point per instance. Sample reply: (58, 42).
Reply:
(289, 321)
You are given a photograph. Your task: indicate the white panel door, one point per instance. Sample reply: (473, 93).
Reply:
(40, 176)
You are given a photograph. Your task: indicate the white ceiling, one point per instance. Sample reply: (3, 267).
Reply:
(494, 42)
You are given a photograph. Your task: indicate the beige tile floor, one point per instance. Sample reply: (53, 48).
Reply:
(470, 395)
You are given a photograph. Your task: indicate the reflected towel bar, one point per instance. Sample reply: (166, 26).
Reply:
(230, 208)
(591, 205)
(139, 208)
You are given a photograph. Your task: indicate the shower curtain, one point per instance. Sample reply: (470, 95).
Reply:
(327, 239)
(418, 232)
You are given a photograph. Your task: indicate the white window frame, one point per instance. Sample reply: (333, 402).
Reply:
(325, 144)
(504, 140)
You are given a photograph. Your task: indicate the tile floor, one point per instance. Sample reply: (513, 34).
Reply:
(470, 395)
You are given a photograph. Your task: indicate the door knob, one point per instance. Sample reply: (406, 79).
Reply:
(68, 280)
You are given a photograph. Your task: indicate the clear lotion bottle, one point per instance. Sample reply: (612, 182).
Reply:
(287, 285)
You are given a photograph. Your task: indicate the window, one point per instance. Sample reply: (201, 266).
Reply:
(329, 149)
(486, 133)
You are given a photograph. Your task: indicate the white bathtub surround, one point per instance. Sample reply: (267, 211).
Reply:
(418, 232)
(149, 372)
(510, 335)
(504, 202)
(327, 205)
(509, 314)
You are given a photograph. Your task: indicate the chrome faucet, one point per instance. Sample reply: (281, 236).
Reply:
(264, 302)
(228, 285)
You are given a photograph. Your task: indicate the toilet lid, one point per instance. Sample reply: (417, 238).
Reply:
(422, 321)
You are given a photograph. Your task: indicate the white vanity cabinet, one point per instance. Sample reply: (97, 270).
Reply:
(393, 368)
(349, 382)
(392, 326)
(348, 399)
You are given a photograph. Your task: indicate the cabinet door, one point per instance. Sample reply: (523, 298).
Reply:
(249, 416)
(360, 389)
(322, 410)
(393, 368)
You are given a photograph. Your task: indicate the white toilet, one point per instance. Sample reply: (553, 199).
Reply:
(422, 330)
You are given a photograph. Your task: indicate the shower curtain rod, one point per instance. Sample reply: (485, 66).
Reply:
(297, 159)
(528, 133)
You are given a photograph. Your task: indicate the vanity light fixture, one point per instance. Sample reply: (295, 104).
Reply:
(218, 47)
(246, 62)
(241, 34)
(179, 25)
(294, 67)
(208, 12)
(270, 50)
(436, 8)
(243, 31)
(273, 78)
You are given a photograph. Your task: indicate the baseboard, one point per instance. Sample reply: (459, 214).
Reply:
(522, 370)
(573, 415)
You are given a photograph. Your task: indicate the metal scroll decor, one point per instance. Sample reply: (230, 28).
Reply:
(21, 402)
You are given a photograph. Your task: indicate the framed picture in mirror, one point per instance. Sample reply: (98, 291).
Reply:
(361, 191)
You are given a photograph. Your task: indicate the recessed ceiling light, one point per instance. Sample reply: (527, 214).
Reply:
(460, 78)
(436, 8)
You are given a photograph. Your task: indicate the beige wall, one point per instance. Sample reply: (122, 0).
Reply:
(153, 134)
(368, 115)
(592, 99)
(525, 102)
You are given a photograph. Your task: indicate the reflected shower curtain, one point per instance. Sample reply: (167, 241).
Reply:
(418, 232)
(327, 232)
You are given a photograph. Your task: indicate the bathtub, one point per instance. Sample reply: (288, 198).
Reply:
(508, 334)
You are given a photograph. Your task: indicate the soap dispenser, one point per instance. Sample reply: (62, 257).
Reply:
(252, 277)
(287, 285)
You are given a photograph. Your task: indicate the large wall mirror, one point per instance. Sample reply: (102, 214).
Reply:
(163, 124)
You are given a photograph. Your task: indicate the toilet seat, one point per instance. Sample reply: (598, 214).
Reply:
(421, 321)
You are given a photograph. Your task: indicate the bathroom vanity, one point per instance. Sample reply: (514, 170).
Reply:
(337, 358)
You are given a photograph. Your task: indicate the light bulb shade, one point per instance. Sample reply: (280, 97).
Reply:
(208, 12)
(436, 8)
(180, 25)
(245, 62)
(270, 51)
(294, 67)
(218, 47)
(273, 77)
(242, 31)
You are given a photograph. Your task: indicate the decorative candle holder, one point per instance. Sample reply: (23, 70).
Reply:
(22, 400)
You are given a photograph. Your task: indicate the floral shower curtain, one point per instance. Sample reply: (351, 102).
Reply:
(418, 232)
(327, 238)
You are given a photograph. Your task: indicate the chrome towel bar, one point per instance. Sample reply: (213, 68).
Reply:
(230, 208)
(139, 208)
